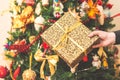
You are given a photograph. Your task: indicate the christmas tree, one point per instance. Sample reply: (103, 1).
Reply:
(29, 54)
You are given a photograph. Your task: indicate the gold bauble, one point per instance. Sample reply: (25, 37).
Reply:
(29, 75)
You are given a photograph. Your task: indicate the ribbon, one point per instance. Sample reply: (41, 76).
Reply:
(66, 37)
(52, 60)
(101, 52)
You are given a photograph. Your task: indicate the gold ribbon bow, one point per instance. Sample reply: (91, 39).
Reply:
(52, 61)
(66, 37)
(24, 18)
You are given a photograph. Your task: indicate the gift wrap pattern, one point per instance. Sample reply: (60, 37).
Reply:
(68, 37)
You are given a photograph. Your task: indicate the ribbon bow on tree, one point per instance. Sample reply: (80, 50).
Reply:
(51, 59)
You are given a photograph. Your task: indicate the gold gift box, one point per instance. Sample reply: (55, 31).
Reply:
(68, 37)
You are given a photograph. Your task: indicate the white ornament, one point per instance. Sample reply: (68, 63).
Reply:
(101, 17)
(19, 2)
(96, 62)
(107, 12)
(39, 21)
(45, 2)
(38, 9)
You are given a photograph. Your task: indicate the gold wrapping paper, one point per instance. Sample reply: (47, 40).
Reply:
(76, 41)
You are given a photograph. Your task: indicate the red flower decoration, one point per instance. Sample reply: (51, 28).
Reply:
(109, 6)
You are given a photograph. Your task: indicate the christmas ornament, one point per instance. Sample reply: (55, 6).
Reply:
(104, 63)
(45, 45)
(29, 75)
(16, 72)
(58, 8)
(107, 13)
(96, 62)
(85, 58)
(30, 2)
(109, 6)
(101, 17)
(38, 23)
(38, 9)
(99, 2)
(83, 7)
(3, 72)
(45, 2)
(19, 2)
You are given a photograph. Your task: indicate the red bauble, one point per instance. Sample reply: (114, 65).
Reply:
(45, 45)
(3, 72)
(85, 58)
(100, 2)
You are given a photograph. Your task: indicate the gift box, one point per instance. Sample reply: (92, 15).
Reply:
(68, 37)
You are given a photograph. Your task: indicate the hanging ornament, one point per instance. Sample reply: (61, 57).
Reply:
(104, 63)
(38, 23)
(3, 72)
(38, 9)
(16, 72)
(101, 17)
(107, 13)
(58, 8)
(45, 2)
(19, 2)
(85, 58)
(29, 75)
(83, 7)
(96, 62)
(99, 2)
(30, 2)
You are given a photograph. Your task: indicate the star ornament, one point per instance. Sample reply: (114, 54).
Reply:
(93, 10)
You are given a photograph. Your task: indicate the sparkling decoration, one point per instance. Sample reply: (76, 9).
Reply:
(3, 72)
(96, 62)
(29, 75)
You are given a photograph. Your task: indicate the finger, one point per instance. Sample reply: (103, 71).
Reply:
(97, 45)
(94, 33)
